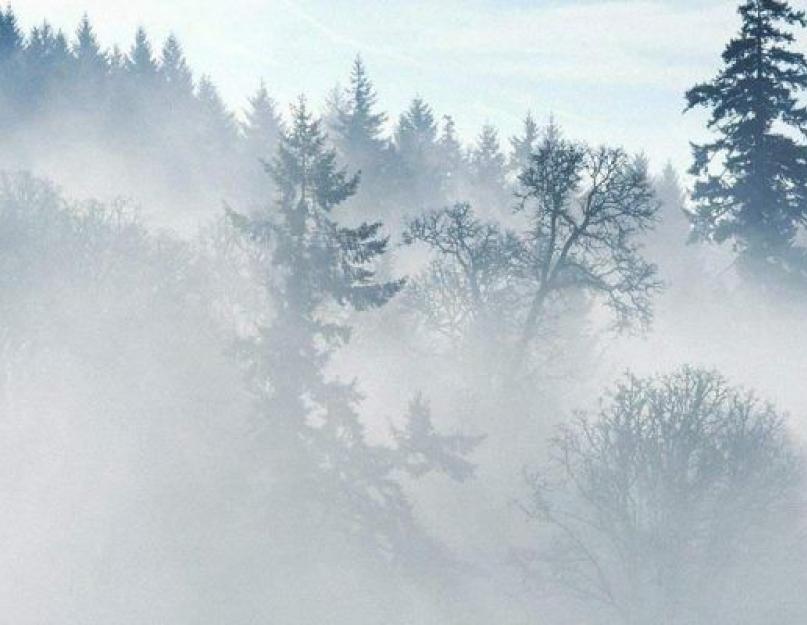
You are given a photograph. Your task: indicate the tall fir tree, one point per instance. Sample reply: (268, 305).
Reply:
(90, 59)
(488, 170)
(217, 124)
(48, 68)
(174, 70)
(261, 130)
(12, 39)
(418, 175)
(358, 127)
(317, 264)
(262, 126)
(454, 170)
(752, 179)
(12, 42)
(140, 62)
(522, 147)
(92, 68)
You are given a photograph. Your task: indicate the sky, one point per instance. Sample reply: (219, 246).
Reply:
(609, 71)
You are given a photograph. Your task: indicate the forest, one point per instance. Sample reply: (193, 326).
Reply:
(304, 363)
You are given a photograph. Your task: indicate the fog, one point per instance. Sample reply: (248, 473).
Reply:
(303, 362)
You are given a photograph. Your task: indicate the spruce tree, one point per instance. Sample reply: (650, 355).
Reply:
(261, 131)
(174, 69)
(217, 125)
(454, 166)
(263, 125)
(523, 146)
(752, 179)
(418, 175)
(12, 43)
(91, 65)
(140, 63)
(488, 169)
(90, 59)
(11, 37)
(358, 127)
(317, 266)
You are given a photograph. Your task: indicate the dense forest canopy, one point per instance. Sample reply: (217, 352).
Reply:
(302, 364)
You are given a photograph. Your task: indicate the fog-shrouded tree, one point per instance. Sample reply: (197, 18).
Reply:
(217, 125)
(91, 61)
(670, 505)
(141, 62)
(262, 126)
(418, 174)
(315, 266)
(752, 178)
(261, 129)
(487, 168)
(358, 127)
(586, 209)
(452, 158)
(357, 130)
(522, 146)
(175, 72)
(470, 286)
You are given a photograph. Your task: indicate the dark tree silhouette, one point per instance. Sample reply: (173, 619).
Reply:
(752, 185)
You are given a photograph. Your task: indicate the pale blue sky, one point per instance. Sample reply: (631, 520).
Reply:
(610, 71)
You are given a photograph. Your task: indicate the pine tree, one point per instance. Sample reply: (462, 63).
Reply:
(452, 159)
(418, 177)
(317, 430)
(140, 63)
(752, 185)
(47, 65)
(522, 147)
(12, 43)
(217, 123)
(11, 37)
(174, 69)
(416, 131)
(358, 128)
(90, 60)
(91, 67)
(487, 159)
(263, 125)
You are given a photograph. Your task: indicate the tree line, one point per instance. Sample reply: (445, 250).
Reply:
(672, 502)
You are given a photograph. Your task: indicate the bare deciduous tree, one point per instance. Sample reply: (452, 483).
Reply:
(582, 212)
(648, 506)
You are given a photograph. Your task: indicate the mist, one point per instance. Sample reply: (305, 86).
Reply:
(309, 361)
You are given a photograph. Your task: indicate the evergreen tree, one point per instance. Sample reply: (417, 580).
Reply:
(522, 147)
(452, 159)
(419, 176)
(48, 65)
(12, 42)
(416, 131)
(92, 67)
(358, 127)
(174, 69)
(90, 59)
(261, 130)
(140, 63)
(318, 264)
(488, 168)
(263, 125)
(757, 194)
(11, 37)
(218, 125)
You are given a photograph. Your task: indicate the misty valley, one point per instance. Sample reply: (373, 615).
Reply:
(315, 362)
